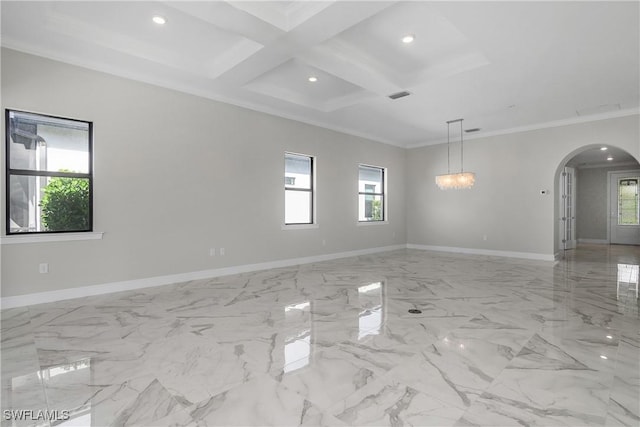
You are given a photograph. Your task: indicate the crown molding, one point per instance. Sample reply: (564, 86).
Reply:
(538, 126)
(118, 72)
(163, 83)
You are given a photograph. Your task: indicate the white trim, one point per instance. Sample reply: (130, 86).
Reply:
(610, 175)
(472, 251)
(312, 190)
(44, 238)
(607, 165)
(107, 288)
(299, 226)
(184, 88)
(385, 198)
(128, 285)
(594, 241)
(538, 126)
(365, 223)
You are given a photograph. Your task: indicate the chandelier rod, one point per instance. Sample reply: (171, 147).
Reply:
(461, 148)
(449, 143)
(448, 149)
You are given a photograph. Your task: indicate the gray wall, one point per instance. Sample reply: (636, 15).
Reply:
(592, 203)
(505, 204)
(177, 174)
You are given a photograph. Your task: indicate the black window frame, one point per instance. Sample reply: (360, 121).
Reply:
(381, 194)
(310, 190)
(9, 172)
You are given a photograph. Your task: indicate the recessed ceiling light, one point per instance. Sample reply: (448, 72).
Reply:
(602, 356)
(603, 148)
(609, 336)
(609, 158)
(409, 38)
(160, 20)
(313, 79)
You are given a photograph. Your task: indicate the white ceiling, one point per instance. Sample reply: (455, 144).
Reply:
(502, 66)
(597, 158)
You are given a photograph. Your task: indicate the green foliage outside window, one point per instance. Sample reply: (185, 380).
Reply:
(65, 204)
(376, 211)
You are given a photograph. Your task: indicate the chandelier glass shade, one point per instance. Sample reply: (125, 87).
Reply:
(455, 181)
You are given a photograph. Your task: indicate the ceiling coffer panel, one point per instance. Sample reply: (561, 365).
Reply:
(503, 66)
(290, 82)
(438, 50)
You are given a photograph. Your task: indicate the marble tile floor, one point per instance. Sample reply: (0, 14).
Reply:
(499, 341)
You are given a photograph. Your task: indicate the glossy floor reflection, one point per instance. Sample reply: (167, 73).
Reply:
(499, 342)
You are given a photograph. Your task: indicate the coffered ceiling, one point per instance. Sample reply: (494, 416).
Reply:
(502, 66)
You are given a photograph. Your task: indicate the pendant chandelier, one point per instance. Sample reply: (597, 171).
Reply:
(455, 181)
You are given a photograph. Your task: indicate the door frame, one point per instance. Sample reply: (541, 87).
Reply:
(609, 174)
(563, 244)
(557, 247)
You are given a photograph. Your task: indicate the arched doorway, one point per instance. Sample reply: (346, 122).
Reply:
(591, 184)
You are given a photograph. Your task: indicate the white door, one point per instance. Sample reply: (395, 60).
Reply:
(568, 209)
(624, 209)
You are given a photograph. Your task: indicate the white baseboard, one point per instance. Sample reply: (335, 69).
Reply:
(128, 285)
(471, 251)
(594, 241)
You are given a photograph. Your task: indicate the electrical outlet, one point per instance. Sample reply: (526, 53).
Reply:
(212, 252)
(43, 268)
(484, 237)
(223, 252)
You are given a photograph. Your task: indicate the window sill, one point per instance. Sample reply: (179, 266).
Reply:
(367, 223)
(299, 226)
(44, 238)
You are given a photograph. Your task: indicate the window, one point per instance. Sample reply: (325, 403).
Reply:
(628, 212)
(371, 194)
(49, 174)
(298, 189)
